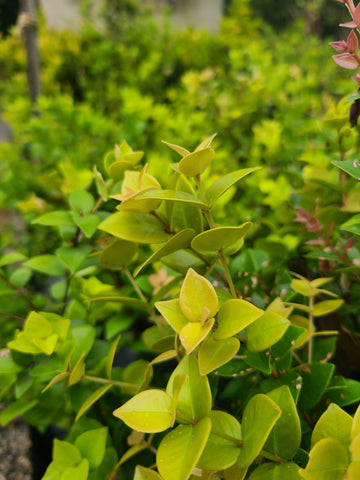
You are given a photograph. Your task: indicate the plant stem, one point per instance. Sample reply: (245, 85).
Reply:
(271, 456)
(14, 317)
(134, 285)
(227, 273)
(211, 223)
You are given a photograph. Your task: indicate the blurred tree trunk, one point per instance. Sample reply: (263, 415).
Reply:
(28, 26)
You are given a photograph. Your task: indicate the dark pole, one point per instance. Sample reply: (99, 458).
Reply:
(28, 26)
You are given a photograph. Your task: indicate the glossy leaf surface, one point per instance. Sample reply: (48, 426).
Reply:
(285, 437)
(149, 411)
(180, 450)
(214, 353)
(198, 299)
(194, 401)
(235, 315)
(328, 461)
(219, 238)
(259, 417)
(266, 331)
(135, 227)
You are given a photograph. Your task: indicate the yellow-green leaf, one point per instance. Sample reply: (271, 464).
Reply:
(328, 461)
(259, 417)
(326, 307)
(235, 315)
(266, 331)
(180, 449)
(177, 242)
(118, 255)
(198, 299)
(135, 227)
(149, 411)
(219, 238)
(214, 353)
(193, 333)
(171, 311)
(94, 397)
(194, 400)
(333, 423)
(142, 473)
(195, 163)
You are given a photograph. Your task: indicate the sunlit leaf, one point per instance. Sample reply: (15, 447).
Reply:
(180, 449)
(259, 417)
(149, 411)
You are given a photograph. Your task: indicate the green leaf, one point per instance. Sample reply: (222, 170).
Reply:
(224, 183)
(65, 454)
(180, 450)
(73, 258)
(21, 276)
(183, 215)
(235, 315)
(355, 427)
(37, 336)
(266, 331)
(328, 461)
(259, 417)
(194, 400)
(206, 143)
(78, 371)
(58, 218)
(180, 150)
(135, 227)
(110, 356)
(118, 255)
(354, 228)
(273, 471)
(101, 185)
(81, 201)
(94, 397)
(194, 333)
(345, 392)
(279, 441)
(177, 242)
(214, 353)
(174, 196)
(223, 446)
(142, 473)
(219, 238)
(80, 472)
(352, 167)
(7, 366)
(198, 299)
(326, 307)
(48, 264)
(353, 471)
(195, 163)
(171, 311)
(333, 423)
(15, 409)
(149, 411)
(12, 257)
(314, 384)
(87, 223)
(84, 336)
(91, 445)
(182, 260)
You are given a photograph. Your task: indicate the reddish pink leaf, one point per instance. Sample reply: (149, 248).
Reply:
(346, 60)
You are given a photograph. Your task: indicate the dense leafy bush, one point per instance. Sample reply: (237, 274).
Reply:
(149, 307)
